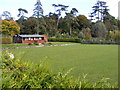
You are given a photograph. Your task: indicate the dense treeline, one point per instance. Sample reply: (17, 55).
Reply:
(71, 25)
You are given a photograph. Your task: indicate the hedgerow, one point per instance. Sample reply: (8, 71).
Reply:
(84, 41)
(64, 40)
(6, 40)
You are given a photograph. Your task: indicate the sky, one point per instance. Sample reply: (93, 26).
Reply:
(83, 6)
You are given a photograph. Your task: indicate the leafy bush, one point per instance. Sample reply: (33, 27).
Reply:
(114, 35)
(44, 43)
(97, 41)
(64, 40)
(6, 40)
(81, 35)
(21, 74)
(49, 43)
(29, 43)
(87, 33)
(36, 43)
(99, 30)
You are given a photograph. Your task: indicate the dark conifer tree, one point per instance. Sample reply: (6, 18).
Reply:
(38, 11)
(99, 11)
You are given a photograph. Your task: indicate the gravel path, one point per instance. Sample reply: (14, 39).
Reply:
(41, 46)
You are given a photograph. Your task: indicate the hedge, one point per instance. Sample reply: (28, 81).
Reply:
(64, 40)
(84, 41)
(98, 41)
(6, 40)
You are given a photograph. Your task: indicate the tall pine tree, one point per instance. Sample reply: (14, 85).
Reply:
(99, 11)
(38, 11)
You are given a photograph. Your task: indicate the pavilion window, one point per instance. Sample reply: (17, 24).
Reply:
(26, 38)
(36, 39)
(31, 38)
(39, 38)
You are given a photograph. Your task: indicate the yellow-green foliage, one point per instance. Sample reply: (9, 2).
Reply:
(114, 35)
(10, 27)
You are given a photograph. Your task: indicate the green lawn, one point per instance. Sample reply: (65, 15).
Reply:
(95, 60)
(25, 45)
(13, 45)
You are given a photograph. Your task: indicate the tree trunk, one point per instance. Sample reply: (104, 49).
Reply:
(57, 23)
(70, 30)
(37, 25)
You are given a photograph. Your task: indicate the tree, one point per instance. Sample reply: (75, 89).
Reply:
(110, 22)
(38, 11)
(23, 26)
(61, 8)
(7, 15)
(99, 30)
(42, 26)
(83, 22)
(30, 26)
(51, 20)
(22, 12)
(55, 6)
(10, 28)
(71, 20)
(99, 11)
(119, 25)
(86, 32)
(81, 35)
(74, 11)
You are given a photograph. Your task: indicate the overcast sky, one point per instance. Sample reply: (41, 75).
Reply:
(83, 6)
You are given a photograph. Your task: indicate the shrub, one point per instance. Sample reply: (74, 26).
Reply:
(6, 40)
(81, 35)
(97, 41)
(64, 40)
(44, 43)
(49, 43)
(29, 43)
(87, 33)
(113, 35)
(99, 30)
(36, 43)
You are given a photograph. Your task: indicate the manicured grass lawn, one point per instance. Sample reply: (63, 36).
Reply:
(60, 42)
(13, 45)
(24, 45)
(95, 60)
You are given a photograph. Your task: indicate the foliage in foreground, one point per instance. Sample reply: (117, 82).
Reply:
(19, 74)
